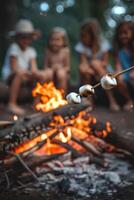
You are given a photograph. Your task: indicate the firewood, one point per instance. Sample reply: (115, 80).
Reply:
(123, 140)
(120, 139)
(41, 118)
(87, 145)
(74, 152)
(29, 127)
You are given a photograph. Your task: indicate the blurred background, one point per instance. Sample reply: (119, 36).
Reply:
(69, 14)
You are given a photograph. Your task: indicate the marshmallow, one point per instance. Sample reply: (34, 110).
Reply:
(108, 82)
(73, 98)
(86, 90)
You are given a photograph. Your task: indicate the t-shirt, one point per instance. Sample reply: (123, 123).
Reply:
(23, 58)
(125, 59)
(82, 49)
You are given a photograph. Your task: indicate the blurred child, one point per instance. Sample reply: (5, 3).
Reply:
(124, 57)
(20, 62)
(93, 53)
(57, 58)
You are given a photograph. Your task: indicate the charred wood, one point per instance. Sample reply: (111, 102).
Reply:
(31, 126)
(122, 140)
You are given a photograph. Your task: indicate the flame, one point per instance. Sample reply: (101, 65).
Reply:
(66, 129)
(50, 148)
(108, 127)
(50, 97)
(65, 138)
(29, 144)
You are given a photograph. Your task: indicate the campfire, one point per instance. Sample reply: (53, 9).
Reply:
(73, 133)
(59, 136)
(69, 130)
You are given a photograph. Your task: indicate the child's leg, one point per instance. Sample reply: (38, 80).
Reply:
(98, 67)
(86, 77)
(112, 102)
(122, 86)
(62, 78)
(86, 74)
(44, 75)
(14, 89)
(13, 95)
(101, 71)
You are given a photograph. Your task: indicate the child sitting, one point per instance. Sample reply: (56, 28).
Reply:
(57, 58)
(20, 62)
(93, 53)
(123, 49)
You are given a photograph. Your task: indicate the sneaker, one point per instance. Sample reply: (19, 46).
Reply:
(115, 107)
(14, 109)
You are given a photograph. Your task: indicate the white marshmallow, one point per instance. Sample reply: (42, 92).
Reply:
(108, 82)
(73, 98)
(86, 90)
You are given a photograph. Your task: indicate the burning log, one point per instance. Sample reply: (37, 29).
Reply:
(33, 125)
(88, 146)
(74, 152)
(122, 140)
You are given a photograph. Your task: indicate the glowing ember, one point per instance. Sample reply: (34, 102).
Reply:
(65, 138)
(50, 97)
(108, 127)
(29, 144)
(15, 117)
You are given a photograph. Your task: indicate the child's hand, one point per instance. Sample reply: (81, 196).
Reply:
(56, 67)
(23, 72)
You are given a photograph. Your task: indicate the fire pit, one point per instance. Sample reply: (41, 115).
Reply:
(63, 152)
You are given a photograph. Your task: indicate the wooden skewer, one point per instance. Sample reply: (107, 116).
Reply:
(123, 71)
(116, 75)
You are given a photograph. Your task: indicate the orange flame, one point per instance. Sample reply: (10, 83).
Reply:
(66, 138)
(50, 97)
(29, 144)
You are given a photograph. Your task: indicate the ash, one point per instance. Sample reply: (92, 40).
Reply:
(82, 179)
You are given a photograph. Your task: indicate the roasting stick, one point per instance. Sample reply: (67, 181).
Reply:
(116, 75)
(25, 166)
(108, 81)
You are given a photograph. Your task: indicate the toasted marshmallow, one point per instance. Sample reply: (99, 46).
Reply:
(73, 98)
(86, 90)
(108, 82)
